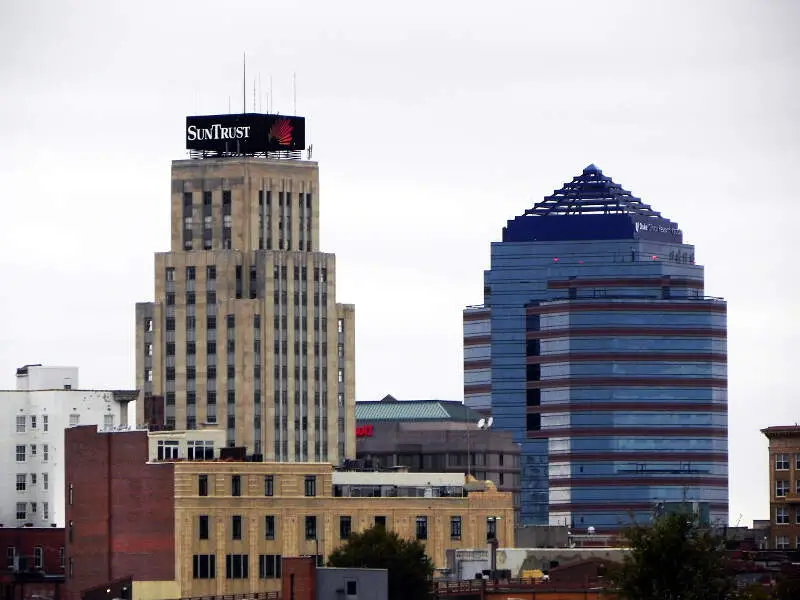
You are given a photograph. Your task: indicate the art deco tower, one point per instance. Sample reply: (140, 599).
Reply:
(245, 331)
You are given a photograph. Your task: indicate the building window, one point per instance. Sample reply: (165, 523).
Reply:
(203, 527)
(269, 566)
(61, 557)
(21, 453)
(380, 521)
(422, 528)
(311, 528)
(11, 555)
(236, 485)
(167, 449)
(200, 449)
(20, 423)
(491, 528)
(236, 527)
(269, 485)
(781, 515)
(781, 488)
(345, 527)
(22, 510)
(21, 482)
(38, 556)
(455, 528)
(204, 566)
(74, 419)
(33, 421)
(781, 462)
(45, 511)
(45, 423)
(782, 542)
(236, 566)
(202, 485)
(311, 485)
(269, 527)
(351, 587)
(45, 481)
(33, 450)
(45, 452)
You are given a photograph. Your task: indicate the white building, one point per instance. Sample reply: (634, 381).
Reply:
(47, 401)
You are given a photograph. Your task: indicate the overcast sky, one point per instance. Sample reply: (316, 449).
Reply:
(433, 123)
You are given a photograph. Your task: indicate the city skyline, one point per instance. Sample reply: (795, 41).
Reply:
(701, 124)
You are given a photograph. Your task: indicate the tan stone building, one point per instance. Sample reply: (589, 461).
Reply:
(245, 330)
(784, 486)
(190, 526)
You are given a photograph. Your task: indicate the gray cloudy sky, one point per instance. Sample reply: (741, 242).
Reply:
(433, 123)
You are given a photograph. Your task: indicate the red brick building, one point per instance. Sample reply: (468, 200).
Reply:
(33, 563)
(120, 520)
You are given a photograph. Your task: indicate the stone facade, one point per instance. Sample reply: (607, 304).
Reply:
(245, 330)
(784, 486)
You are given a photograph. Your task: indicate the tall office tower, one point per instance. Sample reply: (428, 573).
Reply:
(245, 331)
(597, 346)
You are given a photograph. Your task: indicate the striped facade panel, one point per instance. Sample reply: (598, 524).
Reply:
(477, 360)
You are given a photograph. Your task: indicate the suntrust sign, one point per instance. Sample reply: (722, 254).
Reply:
(246, 133)
(217, 132)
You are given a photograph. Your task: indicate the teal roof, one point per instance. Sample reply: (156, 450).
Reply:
(390, 409)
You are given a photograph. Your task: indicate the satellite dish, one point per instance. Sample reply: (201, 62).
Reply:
(481, 423)
(489, 422)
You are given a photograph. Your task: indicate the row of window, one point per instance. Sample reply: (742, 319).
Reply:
(782, 487)
(26, 511)
(783, 462)
(345, 527)
(22, 423)
(26, 481)
(782, 515)
(38, 557)
(310, 485)
(21, 452)
(300, 273)
(204, 566)
(782, 542)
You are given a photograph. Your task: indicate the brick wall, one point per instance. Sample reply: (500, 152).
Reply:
(24, 539)
(299, 581)
(119, 510)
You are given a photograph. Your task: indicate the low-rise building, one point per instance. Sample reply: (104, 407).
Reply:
(208, 524)
(784, 486)
(46, 401)
(436, 436)
(34, 563)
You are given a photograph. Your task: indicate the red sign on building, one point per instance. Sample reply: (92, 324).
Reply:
(364, 431)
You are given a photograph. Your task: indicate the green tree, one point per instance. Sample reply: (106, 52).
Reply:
(673, 559)
(410, 569)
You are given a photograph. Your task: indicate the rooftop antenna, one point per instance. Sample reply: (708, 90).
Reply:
(259, 92)
(294, 92)
(254, 95)
(244, 82)
(269, 99)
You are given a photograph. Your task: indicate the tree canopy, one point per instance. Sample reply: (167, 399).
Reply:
(673, 558)
(410, 569)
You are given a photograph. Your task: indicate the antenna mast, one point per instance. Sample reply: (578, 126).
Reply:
(244, 82)
(294, 92)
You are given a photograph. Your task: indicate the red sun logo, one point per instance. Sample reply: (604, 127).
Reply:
(281, 132)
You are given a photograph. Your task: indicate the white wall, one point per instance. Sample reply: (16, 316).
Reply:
(48, 378)
(56, 405)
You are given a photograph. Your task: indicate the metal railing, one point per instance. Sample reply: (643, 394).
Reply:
(455, 588)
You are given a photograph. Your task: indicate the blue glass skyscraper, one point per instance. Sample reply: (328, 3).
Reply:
(598, 347)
